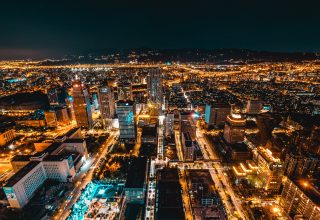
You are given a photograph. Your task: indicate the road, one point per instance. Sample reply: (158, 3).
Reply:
(220, 179)
(178, 145)
(185, 195)
(183, 181)
(83, 178)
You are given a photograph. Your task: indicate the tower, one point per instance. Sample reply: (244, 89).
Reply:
(154, 83)
(81, 105)
(106, 103)
(234, 128)
(125, 112)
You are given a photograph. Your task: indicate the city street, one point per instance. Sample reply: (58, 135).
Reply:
(233, 206)
(83, 178)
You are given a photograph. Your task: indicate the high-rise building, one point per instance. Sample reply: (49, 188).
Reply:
(125, 111)
(125, 92)
(314, 141)
(53, 96)
(106, 103)
(216, 115)
(57, 96)
(266, 122)
(297, 165)
(270, 169)
(187, 124)
(62, 115)
(234, 128)
(154, 82)
(300, 198)
(169, 125)
(51, 119)
(81, 105)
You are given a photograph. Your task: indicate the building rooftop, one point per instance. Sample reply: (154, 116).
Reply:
(267, 155)
(239, 147)
(169, 195)
(149, 131)
(71, 132)
(21, 158)
(137, 173)
(50, 149)
(21, 173)
(56, 157)
(74, 140)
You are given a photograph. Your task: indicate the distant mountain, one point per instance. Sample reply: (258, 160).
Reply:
(219, 56)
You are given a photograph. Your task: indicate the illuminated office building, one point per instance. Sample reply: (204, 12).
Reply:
(216, 115)
(81, 105)
(234, 129)
(51, 119)
(53, 96)
(270, 169)
(125, 111)
(300, 199)
(154, 82)
(169, 125)
(106, 103)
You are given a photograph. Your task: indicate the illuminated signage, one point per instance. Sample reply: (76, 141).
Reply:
(9, 192)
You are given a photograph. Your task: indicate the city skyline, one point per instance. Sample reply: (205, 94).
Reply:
(169, 110)
(45, 30)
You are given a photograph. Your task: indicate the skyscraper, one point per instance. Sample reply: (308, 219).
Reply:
(106, 103)
(216, 115)
(300, 198)
(51, 118)
(57, 96)
(154, 81)
(169, 125)
(53, 96)
(81, 105)
(234, 128)
(125, 112)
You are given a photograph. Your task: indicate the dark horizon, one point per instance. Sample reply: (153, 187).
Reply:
(50, 30)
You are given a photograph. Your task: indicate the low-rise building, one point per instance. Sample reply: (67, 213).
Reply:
(136, 181)
(6, 136)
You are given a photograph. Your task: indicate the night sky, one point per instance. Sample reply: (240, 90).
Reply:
(38, 29)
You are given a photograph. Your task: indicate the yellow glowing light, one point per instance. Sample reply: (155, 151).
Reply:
(275, 209)
(244, 168)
